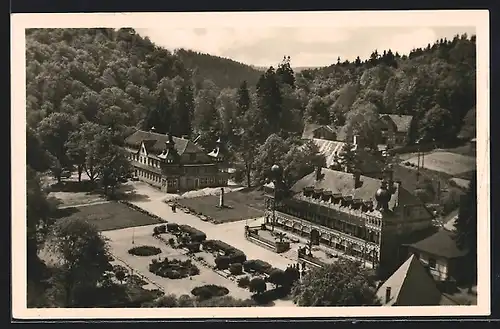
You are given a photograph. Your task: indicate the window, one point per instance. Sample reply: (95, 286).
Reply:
(432, 263)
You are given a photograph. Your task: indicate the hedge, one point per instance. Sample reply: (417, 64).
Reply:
(172, 227)
(196, 235)
(244, 282)
(160, 229)
(236, 268)
(235, 255)
(258, 266)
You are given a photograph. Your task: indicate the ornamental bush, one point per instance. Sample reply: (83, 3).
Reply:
(222, 262)
(209, 291)
(144, 251)
(244, 282)
(172, 227)
(160, 229)
(257, 265)
(236, 268)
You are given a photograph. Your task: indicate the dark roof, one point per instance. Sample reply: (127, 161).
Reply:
(156, 142)
(343, 183)
(310, 128)
(402, 122)
(440, 244)
(411, 285)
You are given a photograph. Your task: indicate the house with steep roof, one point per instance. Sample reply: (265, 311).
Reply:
(175, 164)
(364, 217)
(370, 163)
(411, 285)
(327, 132)
(440, 253)
(395, 129)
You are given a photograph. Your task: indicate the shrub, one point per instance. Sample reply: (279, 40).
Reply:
(120, 275)
(193, 247)
(171, 242)
(244, 282)
(235, 255)
(172, 227)
(160, 229)
(257, 285)
(144, 251)
(185, 301)
(209, 291)
(222, 262)
(236, 268)
(277, 277)
(173, 269)
(271, 295)
(257, 265)
(195, 235)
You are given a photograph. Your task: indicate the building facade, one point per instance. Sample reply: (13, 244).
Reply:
(175, 164)
(440, 254)
(363, 217)
(395, 129)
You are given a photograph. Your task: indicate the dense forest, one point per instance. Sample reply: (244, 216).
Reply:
(120, 80)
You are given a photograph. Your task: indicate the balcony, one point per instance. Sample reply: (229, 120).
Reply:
(326, 230)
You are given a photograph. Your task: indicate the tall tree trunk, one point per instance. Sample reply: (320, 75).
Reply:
(80, 170)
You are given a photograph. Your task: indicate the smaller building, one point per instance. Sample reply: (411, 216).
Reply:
(312, 130)
(440, 253)
(395, 129)
(411, 285)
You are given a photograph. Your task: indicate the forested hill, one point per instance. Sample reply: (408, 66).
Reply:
(436, 84)
(223, 72)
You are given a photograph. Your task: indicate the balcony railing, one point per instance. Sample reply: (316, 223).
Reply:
(326, 230)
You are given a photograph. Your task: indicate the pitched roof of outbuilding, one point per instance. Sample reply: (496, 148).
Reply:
(402, 122)
(410, 285)
(441, 244)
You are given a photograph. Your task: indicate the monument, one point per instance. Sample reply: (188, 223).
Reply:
(221, 198)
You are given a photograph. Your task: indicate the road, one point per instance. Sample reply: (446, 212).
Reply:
(231, 233)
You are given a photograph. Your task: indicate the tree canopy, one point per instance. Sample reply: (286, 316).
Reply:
(343, 283)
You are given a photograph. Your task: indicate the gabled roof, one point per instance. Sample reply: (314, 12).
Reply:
(310, 128)
(410, 285)
(402, 122)
(440, 244)
(343, 183)
(155, 142)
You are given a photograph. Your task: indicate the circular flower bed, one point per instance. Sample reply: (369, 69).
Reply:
(173, 269)
(144, 251)
(208, 291)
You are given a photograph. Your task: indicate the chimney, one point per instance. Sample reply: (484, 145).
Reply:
(387, 294)
(319, 175)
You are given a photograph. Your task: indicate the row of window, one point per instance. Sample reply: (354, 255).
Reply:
(356, 231)
(151, 176)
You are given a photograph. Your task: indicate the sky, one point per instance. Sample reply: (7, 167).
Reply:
(307, 46)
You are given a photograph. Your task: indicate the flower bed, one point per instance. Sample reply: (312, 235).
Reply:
(173, 269)
(209, 291)
(144, 251)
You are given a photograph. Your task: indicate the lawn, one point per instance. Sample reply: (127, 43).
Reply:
(447, 162)
(109, 216)
(240, 205)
